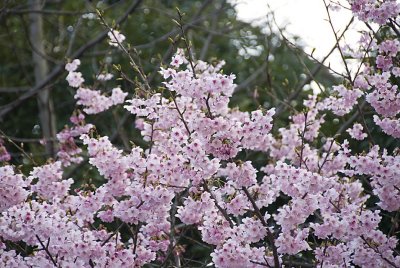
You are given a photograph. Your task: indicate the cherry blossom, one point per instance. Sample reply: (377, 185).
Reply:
(356, 132)
(116, 38)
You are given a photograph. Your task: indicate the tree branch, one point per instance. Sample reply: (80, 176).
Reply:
(270, 236)
(46, 249)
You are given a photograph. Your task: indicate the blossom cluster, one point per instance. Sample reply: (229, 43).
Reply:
(374, 10)
(93, 100)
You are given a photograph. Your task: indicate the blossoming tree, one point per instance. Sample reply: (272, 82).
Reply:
(316, 202)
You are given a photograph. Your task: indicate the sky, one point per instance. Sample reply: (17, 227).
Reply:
(306, 19)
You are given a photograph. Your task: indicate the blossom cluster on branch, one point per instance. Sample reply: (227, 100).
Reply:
(195, 172)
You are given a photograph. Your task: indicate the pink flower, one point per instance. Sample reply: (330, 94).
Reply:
(116, 38)
(75, 79)
(72, 66)
(105, 77)
(95, 102)
(356, 132)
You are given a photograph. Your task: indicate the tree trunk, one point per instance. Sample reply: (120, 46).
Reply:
(45, 104)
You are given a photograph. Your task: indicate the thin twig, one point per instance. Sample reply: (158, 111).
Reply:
(181, 117)
(111, 235)
(223, 211)
(187, 44)
(46, 249)
(303, 139)
(379, 253)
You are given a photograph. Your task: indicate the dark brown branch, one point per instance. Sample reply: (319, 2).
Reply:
(111, 235)
(181, 117)
(379, 253)
(303, 139)
(270, 236)
(223, 211)
(135, 239)
(46, 249)
(326, 156)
